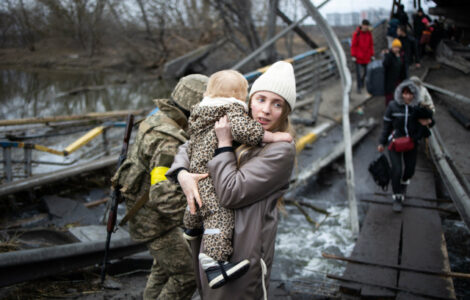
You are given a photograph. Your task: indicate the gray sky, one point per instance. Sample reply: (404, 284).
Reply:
(358, 5)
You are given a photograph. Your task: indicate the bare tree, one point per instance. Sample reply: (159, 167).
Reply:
(22, 20)
(238, 21)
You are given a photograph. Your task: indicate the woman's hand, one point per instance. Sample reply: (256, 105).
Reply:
(425, 122)
(188, 182)
(223, 132)
(380, 148)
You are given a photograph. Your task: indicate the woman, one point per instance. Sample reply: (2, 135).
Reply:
(406, 120)
(250, 181)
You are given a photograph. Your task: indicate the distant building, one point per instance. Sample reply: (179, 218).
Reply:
(375, 15)
(355, 18)
(343, 19)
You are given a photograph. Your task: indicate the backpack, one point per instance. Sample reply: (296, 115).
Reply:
(380, 171)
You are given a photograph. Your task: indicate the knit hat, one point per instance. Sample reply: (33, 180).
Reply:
(396, 43)
(279, 79)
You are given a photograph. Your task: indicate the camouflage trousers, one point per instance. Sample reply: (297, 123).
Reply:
(172, 275)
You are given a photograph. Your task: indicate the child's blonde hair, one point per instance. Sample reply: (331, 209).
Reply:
(227, 83)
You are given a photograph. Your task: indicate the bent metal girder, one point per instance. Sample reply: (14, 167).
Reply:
(24, 265)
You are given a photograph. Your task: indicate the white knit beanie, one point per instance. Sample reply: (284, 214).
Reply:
(279, 79)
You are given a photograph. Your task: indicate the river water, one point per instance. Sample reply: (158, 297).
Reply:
(28, 94)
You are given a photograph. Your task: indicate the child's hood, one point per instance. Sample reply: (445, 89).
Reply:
(219, 101)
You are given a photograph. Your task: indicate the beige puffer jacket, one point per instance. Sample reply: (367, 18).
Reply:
(251, 188)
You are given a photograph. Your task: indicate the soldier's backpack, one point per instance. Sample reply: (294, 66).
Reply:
(375, 78)
(380, 171)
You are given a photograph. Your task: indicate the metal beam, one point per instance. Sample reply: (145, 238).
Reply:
(272, 41)
(37, 180)
(297, 29)
(24, 265)
(341, 63)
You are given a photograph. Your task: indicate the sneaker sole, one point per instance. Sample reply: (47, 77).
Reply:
(190, 237)
(234, 273)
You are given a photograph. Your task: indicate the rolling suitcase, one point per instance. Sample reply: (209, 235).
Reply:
(375, 79)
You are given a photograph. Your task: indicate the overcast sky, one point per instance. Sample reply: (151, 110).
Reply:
(356, 5)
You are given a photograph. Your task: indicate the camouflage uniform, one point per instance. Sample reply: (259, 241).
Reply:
(158, 221)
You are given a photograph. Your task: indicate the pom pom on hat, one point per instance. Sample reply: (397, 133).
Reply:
(278, 79)
(396, 43)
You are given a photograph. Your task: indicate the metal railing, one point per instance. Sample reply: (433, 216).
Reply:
(8, 146)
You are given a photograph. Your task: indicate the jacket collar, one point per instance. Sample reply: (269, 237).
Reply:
(219, 101)
(171, 111)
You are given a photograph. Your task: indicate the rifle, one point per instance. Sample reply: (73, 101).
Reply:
(116, 195)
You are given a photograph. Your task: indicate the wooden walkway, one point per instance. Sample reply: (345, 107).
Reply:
(410, 239)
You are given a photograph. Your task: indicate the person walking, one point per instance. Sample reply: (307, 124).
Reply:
(405, 124)
(394, 70)
(409, 47)
(142, 180)
(249, 180)
(418, 25)
(362, 51)
(402, 16)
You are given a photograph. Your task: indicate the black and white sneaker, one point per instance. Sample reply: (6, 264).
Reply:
(219, 275)
(192, 234)
(404, 186)
(397, 203)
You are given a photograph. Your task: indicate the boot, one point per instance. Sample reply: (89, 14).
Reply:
(397, 203)
(192, 234)
(404, 186)
(219, 273)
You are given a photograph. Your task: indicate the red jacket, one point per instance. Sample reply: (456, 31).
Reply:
(362, 46)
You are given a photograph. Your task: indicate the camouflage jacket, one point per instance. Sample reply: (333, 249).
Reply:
(152, 153)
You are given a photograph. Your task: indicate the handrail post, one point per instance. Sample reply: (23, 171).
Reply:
(341, 62)
(7, 163)
(27, 161)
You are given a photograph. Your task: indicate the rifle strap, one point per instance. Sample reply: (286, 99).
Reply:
(138, 205)
(144, 127)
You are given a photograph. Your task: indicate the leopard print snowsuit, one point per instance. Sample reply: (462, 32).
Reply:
(218, 221)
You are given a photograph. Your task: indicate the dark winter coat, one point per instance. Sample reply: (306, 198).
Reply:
(418, 25)
(409, 47)
(362, 46)
(392, 27)
(402, 17)
(398, 114)
(394, 71)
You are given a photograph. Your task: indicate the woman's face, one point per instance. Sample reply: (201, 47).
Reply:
(407, 97)
(266, 108)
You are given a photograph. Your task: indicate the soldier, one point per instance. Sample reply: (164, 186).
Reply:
(143, 182)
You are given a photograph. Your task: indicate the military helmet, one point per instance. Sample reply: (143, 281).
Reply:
(189, 90)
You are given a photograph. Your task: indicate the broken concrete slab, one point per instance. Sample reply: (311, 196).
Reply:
(67, 211)
(96, 233)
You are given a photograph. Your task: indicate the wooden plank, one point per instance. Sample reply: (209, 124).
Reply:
(422, 247)
(421, 186)
(378, 243)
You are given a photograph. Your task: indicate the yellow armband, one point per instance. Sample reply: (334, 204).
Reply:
(158, 174)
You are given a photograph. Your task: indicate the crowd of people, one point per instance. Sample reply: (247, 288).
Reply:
(208, 170)
(409, 106)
